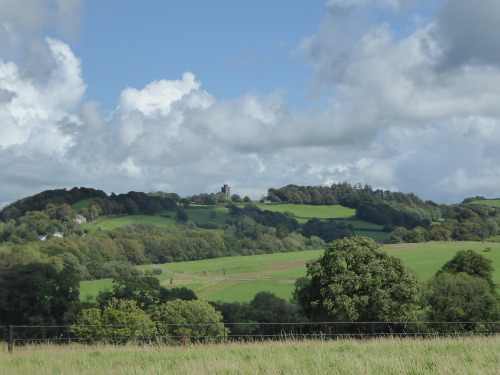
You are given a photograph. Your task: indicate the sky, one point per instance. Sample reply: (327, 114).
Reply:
(186, 96)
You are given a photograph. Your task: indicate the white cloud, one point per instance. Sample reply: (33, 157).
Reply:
(403, 111)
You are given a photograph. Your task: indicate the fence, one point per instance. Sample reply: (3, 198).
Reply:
(20, 337)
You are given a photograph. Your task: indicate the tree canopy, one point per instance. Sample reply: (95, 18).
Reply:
(36, 293)
(355, 281)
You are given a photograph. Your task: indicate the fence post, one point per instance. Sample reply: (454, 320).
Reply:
(11, 339)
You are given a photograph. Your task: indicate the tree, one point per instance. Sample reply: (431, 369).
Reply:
(119, 321)
(460, 297)
(462, 291)
(36, 293)
(197, 319)
(471, 263)
(146, 291)
(355, 281)
(182, 214)
(269, 308)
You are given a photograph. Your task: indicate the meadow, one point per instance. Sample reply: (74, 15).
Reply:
(240, 278)
(488, 202)
(457, 356)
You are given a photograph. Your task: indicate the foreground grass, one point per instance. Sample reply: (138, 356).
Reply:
(375, 356)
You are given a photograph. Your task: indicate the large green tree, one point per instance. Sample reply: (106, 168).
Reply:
(471, 263)
(462, 291)
(356, 281)
(460, 297)
(36, 294)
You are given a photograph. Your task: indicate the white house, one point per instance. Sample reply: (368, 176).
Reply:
(79, 219)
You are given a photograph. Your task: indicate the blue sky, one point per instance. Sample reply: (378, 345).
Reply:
(185, 96)
(233, 47)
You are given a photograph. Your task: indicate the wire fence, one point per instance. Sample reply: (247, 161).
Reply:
(22, 337)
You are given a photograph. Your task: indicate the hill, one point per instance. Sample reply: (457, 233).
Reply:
(126, 230)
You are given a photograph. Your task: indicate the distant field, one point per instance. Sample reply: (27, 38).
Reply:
(247, 275)
(202, 214)
(489, 202)
(310, 211)
(427, 258)
(115, 222)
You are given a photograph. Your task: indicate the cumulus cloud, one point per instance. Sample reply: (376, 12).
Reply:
(398, 107)
(421, 97)
(20, 23)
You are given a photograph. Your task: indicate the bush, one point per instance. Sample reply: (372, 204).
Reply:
(119, 322)
(196, 319)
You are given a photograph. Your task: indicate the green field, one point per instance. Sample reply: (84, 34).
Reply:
(384, 356)
(427, 258)
(240, 278)
(489, 202)
(115, 222)
(310, 211)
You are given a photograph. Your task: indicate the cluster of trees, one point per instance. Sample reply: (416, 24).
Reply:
(328, 231)
(354, 281)
(131, 203)
(265, 307)
(462, 223)
(39, 201)
(137, 307)
(376, 206)
(115, 252)
(36, 294)
(405, 215)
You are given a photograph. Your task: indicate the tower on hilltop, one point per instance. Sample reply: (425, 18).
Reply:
(226, 190)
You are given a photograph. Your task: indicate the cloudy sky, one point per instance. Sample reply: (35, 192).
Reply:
(185, 96)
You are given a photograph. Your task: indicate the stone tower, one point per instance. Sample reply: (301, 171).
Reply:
(226, 190)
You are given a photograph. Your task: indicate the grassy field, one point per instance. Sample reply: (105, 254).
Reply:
(427, 258)
(385, 356)
(310, 211)
(115, 222)
(489, 202)
(240, 278)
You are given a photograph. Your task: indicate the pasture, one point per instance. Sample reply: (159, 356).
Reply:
(488, 202)
(457, 356)
(240, 278)
(309, 211)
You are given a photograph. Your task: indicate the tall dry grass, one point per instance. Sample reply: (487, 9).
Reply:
(476, 355)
